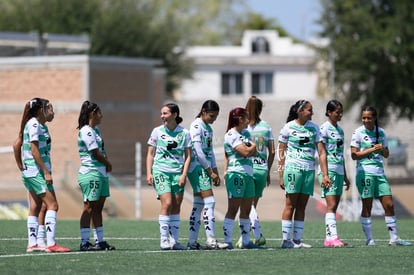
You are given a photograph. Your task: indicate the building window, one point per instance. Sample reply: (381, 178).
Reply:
(262, 83)
(231, 83)
(260, 45)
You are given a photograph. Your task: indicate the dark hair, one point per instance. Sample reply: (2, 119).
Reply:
(85, 112)
(332, 106)
(31, 109)
(234, 116)
(295, 108)
(174, 110)
(209, 106)
(254, 108)
(374, 113)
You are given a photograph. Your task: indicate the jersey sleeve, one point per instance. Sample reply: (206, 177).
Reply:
(152, 141)
(89, 138)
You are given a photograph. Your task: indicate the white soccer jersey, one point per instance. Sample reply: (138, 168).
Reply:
(261, 134)
(301, 143)
(362, 139)
(333, 139)
(89, 139)
(203, 134)
(236, 162)
(170, 148)
(35, 131)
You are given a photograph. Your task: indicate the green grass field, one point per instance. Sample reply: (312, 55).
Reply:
(137, 252)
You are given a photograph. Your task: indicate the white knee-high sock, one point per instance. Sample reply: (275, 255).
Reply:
(254, 223)
(164, 222)
(41, 236)
(367, 227)
(32, 228)
(85, 235)
(286, 229)
(195, 222)
(244, 225)
(228, 227)
(174, 227)
(99, 234)
(208, 217)
(298, 227)
(391, 223)
(50, 223)
(330, 226)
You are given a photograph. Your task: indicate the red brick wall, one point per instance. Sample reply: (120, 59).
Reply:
(125, 92)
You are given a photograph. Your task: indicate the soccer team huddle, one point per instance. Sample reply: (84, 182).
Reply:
(176, 155)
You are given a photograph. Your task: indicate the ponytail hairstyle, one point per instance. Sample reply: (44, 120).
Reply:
(174, 110)
(332, 106)
(295, 108)
(234, 116)
(86, 110)
(254, 108)
(31, 109)
(209, 106)
(374, 113)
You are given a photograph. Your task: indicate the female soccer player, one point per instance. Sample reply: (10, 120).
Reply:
(202, 173)
(17, 149)
(261, 134)
(168, 160)
(36, 172)
(298, 141)
(369, 146)
(333, 139)
(239, 150)
(92, 176)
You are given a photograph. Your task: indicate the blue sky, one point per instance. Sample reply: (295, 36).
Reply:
(296, 16)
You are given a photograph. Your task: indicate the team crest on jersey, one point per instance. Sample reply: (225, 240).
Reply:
(180, 137)
(205, 181)
(93, 193)
(291, 186)
(238, 191)
(161, 187)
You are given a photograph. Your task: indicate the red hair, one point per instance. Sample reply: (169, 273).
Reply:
(234, 116)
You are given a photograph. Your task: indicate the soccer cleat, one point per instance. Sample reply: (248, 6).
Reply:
(260, 241)
(178, 246)
(333, 243)
(56, 248)
(214, 244)
(103, 246)
(230, 246)
(165, 245)
(288, 244)
(399, 242)
(251, 245)
(370, 242)
(87, 247)
(239, 244)
(194, 246)
(300, 244)
(35, 248)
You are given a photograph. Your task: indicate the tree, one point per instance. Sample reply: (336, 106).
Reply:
(373, 42)
(253, 21)
(132, 28)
